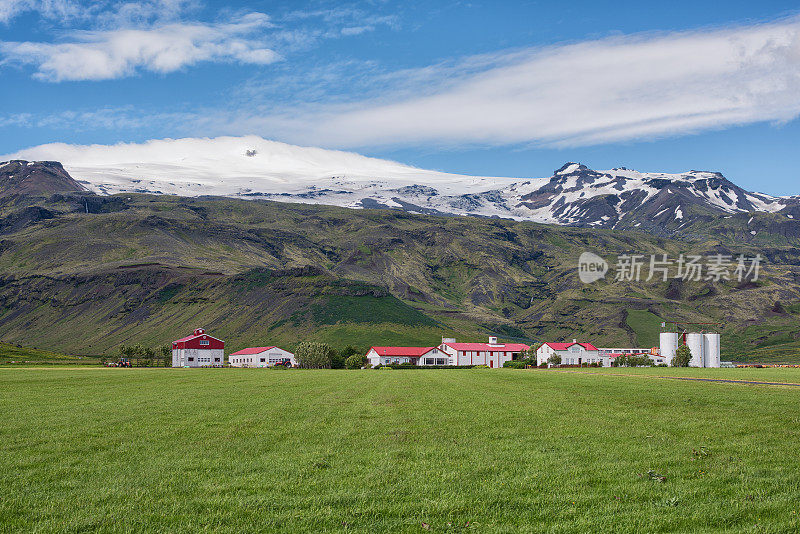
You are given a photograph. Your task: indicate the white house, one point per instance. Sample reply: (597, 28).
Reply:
(397, 355)
(571, 353)
(261, 357)
(492, 354)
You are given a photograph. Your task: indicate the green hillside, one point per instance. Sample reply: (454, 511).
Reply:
(149, 269)
(16, 354)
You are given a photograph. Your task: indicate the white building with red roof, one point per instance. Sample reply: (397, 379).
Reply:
(198, 350)
(571, 353)
(491, 354)
(415, 355)
(261, 357)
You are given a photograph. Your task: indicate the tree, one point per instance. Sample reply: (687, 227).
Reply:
(354, 361)
(313, 355)
(348, 351)
(554, 359)
(633, 360)
(165, 351)
(682, 356)
(149, 354)
(337, 360)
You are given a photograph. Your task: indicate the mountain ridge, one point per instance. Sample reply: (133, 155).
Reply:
(254, 168)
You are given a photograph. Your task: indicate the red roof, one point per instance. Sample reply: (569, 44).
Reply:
(199, 332)
(565, 346)
(251, 350)
(414, 352)
(500, 347)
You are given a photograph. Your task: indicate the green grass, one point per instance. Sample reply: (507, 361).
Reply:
(367, 309)
(647, 327)
(14, 355)
(121, 450)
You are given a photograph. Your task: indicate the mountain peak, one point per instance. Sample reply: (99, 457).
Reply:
(21, 177)
(571, 167)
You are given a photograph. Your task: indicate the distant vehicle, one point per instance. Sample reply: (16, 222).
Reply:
(123, 362)
(286, 362)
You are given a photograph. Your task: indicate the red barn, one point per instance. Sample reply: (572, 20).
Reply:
(198, 350)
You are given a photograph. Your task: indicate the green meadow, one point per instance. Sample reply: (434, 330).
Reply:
(246, 450)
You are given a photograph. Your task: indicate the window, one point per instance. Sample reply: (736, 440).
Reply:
(429, 361)
(191, 359)
(441, 361)
(204, 342)
(216, 359)
(263, 360)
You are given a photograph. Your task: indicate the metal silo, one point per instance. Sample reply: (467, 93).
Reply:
(668, 343)
(695, 343)
(711, 348)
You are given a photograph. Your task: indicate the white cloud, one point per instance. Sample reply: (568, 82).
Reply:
(101, 55)
(51, 9)
(106, 11)
(593, 92)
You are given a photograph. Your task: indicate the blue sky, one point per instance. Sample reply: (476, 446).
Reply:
(486, 88)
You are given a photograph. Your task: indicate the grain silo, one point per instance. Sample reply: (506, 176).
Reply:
(695, 342)
(711, 350)
(668, 342)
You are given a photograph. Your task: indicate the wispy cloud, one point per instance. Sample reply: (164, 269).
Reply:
(621, 88)
(108, 11)
(594, 92)
(52, 9)
(108, 54)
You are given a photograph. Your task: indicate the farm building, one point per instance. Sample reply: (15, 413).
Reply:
(198, 350)
(608, 355)
(572, 353)
(261, 357)
(398, 355)
(492, 354)
(606, 351)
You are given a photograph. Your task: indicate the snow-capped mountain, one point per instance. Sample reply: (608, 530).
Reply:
(251, 167)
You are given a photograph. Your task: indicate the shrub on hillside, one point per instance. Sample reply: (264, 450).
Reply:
(354, 361)
(313, 355)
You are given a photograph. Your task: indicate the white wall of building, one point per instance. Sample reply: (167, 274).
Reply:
(265, 358)
(432, 357)
(574, 355)
(198, 357)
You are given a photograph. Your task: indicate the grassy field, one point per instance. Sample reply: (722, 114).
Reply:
(18, 355)
(238, 450)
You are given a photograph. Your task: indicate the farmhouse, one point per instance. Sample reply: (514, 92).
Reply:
(572, 353)
(198, 350)
(261, 357)
(415, 355)
(492, 354)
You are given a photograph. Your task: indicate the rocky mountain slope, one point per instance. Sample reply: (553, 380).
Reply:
(254, 168)
(101, 270)
(18, 178)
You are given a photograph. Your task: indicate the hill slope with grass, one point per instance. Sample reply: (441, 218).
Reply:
(103, 270)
